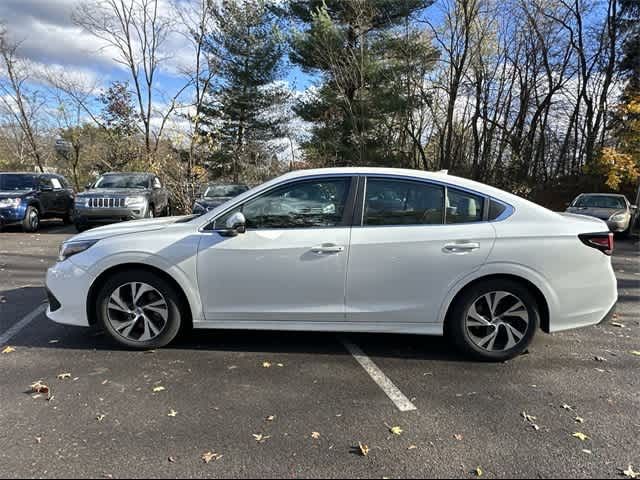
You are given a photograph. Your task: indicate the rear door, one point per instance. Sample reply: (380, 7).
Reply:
(414, 241)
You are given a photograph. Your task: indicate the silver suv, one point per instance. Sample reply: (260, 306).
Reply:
(116, 197)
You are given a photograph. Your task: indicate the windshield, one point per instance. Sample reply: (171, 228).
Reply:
(17, 181)
(225, 190)
(122, 181)
(600, 201)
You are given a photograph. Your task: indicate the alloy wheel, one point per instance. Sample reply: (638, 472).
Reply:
(137, 311)
(497, 321)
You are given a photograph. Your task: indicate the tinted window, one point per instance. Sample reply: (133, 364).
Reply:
(45, 182)
(16, 181)
(463, 207)
(496, 209)
(317, 203)
(122, 181)
(225, 190)
(400, 202)
(56, 183)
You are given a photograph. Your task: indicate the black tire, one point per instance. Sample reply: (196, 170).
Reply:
(31, 220)
(68, 218)
(167, 210)
(151, 212)
(456, 322)
(173, 302)
(81, 226)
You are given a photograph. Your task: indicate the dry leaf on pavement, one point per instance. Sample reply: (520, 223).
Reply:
(629, 473)
(364, 449)
(100, 418)
(396, 430)
(479, 472)
(210, 456)
(172, 459)
(261, 438)
(270, 418)
(172, 413)
(62, 376)
(8, 349)
(266, 364)
(617, 324)
(567, 407)
(579, 420)
(158, 389)
(581, 436)
(412, 447)
(39, 387)
(315, 435)
(635, 352)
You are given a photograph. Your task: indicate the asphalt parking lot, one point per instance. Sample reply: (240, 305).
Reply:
(298, 405)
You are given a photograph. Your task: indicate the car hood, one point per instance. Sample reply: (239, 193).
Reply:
(14, 193)
(113, 192)
(601, 213)
(123, 228)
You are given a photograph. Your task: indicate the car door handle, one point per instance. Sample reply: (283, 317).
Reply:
(462, 247)
(327, 248)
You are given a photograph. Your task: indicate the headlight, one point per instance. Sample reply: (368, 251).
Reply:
(69, 249)
(618, 217)
(10, 202)
(135, 201)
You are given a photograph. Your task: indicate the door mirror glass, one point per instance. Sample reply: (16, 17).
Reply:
(234, 225)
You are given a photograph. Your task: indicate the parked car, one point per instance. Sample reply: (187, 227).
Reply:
(116, 197)
(616, 210)
(376, 250)
(215, 195)
(26, 198)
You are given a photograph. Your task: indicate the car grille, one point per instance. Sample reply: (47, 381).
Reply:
(106, 203)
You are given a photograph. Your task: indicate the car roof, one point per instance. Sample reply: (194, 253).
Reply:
(128, 173)
(602, 195)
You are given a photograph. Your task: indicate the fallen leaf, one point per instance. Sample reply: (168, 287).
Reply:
(458, 437)
(100, 418)
(158, 389)
(529, 418)
(588, 452)
(635, 352)
(567, 407)
(261, 438)
(629, 473)
(396, 430)
(579, 420)
(270, 418)
(62, 376)
(172, 413)
(172, 459)
(280, 365)
(617, 324)
(8, 350)
(479, 472)
(599, 359)
(210, 456)
(38, 439)
(39, 387)
(364, 449)
(315, 435)
(266, 364)
(581, 436)
(412, 447)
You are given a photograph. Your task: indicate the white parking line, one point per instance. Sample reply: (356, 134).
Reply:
(387, 386)
(9, 334)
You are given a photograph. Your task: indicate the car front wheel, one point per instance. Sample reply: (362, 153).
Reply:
(139, 309)
(494, 320)
(31, 220)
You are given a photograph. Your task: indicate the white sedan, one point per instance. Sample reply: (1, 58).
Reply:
(349, 250)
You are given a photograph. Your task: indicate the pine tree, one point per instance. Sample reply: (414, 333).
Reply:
(242, 115)
(366, 54)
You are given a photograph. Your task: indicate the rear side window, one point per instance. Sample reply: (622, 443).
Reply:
(463, 207)
(56, 183)
(402, 202)
(496, 209)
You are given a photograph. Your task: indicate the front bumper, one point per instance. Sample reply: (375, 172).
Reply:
(68, 287)
(108, 215)
(9, 216)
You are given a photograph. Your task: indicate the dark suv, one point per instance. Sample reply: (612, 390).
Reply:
(26, 198)
(117, 197)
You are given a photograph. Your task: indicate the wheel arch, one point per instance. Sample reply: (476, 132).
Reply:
(541, 299)
(91, 306)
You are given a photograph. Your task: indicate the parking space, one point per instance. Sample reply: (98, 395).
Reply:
(299, 404)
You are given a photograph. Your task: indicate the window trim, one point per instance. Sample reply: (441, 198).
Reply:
(359, 218)
(347, 216)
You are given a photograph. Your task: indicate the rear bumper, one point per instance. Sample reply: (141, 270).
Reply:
(610, 314)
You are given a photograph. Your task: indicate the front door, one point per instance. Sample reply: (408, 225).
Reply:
(291, 263)
(416, 241)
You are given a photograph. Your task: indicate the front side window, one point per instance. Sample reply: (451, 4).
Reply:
(306, 204)
(463, 207)
(56, 183)
(45, 182)
(401, 202)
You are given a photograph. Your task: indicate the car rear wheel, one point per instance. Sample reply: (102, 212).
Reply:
(31, 220)
(139, 309)
(494, 320)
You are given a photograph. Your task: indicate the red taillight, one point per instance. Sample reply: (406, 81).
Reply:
(602, 241)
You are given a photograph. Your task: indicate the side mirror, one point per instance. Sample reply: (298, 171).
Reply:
(235, 224)
(634, 208)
